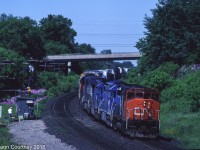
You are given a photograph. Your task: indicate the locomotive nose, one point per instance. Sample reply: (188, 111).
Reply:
(142, 109)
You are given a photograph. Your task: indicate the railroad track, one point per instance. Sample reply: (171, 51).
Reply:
(60, 110)
(66, 120)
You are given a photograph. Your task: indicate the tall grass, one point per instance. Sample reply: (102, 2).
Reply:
(40, 107)
(4, 137)
(185, 127)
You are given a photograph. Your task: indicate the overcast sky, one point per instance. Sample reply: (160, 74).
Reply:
(105, 24)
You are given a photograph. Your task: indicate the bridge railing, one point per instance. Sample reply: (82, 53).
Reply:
(96, 54)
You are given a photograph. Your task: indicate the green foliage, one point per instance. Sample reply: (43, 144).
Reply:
(133, 77)
(58, 29)
(57, 83)
(53, 48)
(14, 69)
(106, 51)
(159, 78)
(21, 35)
(4, 137)
(169, 68)
(53, 35)
(48, 79)
(85, 49)
(172, 34)
(184, 94)
(65, 84)
(40, 108)
(124, 64)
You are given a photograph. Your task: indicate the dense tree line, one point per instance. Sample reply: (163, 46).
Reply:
(52, 35)
(173, 34)
(12, 70)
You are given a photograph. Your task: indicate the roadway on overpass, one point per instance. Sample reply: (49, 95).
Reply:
(93, 57)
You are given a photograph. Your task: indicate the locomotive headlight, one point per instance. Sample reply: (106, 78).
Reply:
(144, 103)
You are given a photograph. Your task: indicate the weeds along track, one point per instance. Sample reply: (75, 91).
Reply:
(61, 112)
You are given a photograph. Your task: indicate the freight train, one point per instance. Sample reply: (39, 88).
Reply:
(132, 109)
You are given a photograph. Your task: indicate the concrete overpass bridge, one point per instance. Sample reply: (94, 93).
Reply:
(93, 57)
(53, 60)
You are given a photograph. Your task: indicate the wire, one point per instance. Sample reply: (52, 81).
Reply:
(113, 45)
(104, 34)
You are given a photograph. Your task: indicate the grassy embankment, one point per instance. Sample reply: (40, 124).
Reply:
(180, 110)
(184, 127)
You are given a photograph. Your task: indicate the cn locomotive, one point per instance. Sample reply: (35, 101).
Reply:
(133, 109)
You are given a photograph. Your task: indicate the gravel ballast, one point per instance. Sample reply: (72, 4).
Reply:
(31, 134)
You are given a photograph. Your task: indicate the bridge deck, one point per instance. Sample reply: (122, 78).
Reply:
(93, 57)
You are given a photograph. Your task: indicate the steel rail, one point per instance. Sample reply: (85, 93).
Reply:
(68, 122)
(60, 110)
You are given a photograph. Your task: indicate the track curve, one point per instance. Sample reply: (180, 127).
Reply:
(61, 111)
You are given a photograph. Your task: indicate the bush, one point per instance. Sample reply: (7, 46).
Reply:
(48, 79)
(184, 94)
(159, 78)
(58, 83)
(133, 77)
(14, 69)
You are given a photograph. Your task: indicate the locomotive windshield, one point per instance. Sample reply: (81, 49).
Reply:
(130, 95)
(142, 93)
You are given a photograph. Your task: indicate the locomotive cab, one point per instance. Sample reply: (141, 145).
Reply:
(142, 112)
